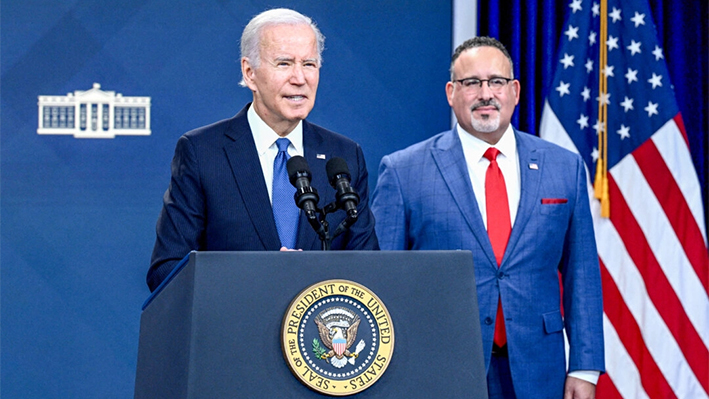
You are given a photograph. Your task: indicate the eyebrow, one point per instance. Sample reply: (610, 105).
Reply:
(292, 59)
(489, 77)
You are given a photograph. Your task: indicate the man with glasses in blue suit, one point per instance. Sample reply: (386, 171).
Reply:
(520, 204)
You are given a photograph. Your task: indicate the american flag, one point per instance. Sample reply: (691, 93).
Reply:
(652, 248)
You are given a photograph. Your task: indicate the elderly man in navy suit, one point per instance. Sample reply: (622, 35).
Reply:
(229, 190)
(520, 204)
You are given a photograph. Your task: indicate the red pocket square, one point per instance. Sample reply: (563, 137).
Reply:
(554, 201)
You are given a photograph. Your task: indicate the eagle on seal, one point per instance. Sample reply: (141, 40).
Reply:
(338, 331)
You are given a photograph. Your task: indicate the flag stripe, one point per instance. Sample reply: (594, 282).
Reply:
(680, 124)
(658, 339)
(620, 370)
(681, 268)
(675, 207)
(606, 389)
(630, 335)
(658, 288)
(665, 248)
(679, 162)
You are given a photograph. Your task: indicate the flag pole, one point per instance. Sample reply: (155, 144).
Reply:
(601, 180)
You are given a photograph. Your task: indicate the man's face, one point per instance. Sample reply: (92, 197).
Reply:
(482, 111)
(286, 81)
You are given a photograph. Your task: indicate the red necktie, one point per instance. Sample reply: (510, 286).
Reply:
(498, 225)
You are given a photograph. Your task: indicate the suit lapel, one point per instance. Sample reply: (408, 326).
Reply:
(246, 169)
(531, 163)
(449, 158)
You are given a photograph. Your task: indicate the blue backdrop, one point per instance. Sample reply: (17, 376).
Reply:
(78, 215)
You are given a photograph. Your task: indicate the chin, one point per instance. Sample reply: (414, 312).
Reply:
(485, 127)
(299, 109)
(300, 115)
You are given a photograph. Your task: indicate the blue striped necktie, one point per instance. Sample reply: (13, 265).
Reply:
(285, 212)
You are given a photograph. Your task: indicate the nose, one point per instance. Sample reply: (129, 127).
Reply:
(485, 92)
(298, 75)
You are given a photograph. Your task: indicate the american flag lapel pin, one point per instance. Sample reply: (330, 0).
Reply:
(533, 166)
(320, 156)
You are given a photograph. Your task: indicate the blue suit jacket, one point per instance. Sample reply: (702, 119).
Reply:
(218, 200)
(424, 201)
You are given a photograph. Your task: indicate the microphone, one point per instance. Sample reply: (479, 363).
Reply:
(338, 174)
(306, 196)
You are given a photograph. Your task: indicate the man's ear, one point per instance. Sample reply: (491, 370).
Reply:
(516, 88)
(449, 92)
(248, 72)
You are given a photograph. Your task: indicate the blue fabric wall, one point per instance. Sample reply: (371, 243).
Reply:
(77, 216)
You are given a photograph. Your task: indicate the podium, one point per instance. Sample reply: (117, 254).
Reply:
(214, 329)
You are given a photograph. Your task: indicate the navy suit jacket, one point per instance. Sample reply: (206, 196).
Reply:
(424, 200)
(218, 201)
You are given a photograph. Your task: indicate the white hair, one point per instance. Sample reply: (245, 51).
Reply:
(251, 37)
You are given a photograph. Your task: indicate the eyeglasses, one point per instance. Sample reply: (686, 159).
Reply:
(474, 84)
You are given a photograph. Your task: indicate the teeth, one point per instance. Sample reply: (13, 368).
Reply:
(296, 98)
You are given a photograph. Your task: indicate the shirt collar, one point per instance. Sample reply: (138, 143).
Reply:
(265, 137)
(507, 145)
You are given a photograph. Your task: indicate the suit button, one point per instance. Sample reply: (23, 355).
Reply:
(488, 320)
(500, 275)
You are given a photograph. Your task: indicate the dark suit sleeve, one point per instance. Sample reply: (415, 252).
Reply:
(388, 208)
(180, 226)
(583, 299)
(362, 235)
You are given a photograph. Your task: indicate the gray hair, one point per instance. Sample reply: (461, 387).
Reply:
(251, 37)
(481, 41)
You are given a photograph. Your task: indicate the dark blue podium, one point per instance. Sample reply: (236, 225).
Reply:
(214, 330)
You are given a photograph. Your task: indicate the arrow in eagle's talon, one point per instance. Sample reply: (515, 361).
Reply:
(359, 348)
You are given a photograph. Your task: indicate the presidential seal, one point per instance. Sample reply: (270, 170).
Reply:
(337, 337)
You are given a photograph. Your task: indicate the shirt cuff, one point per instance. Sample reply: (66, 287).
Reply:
(586, 375)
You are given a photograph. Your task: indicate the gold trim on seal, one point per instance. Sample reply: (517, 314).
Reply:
(349, 382)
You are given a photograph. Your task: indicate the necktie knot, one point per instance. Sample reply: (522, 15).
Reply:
(283, 144)
(491, 154)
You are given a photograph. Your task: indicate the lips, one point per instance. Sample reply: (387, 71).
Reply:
(484, 109)
(486, 106)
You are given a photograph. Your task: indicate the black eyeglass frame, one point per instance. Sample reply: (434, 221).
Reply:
(479, 83)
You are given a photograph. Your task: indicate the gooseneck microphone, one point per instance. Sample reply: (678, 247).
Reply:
(306, 196)
(338, 174)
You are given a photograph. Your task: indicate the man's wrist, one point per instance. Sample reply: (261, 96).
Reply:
(586, 375)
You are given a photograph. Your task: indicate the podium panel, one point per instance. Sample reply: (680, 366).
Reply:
(214, 330)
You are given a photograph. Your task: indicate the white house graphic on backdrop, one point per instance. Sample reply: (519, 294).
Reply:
(94, 113)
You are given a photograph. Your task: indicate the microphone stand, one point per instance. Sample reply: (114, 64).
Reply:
(322, 226)
(306, 197)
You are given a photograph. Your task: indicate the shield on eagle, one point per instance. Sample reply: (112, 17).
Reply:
(339, 345)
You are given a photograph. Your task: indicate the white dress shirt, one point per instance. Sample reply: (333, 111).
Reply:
(265, 139)
(473, 150)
